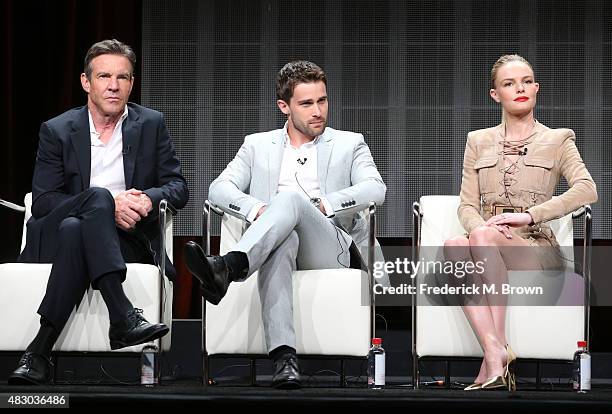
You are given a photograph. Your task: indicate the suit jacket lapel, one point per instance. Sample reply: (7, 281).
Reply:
(324, 149)
(132, 132)
(275, 158)
(81, 142)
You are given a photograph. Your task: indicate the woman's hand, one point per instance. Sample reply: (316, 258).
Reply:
(511, 219)
(503, 222)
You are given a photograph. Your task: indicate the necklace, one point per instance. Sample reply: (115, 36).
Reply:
(530, 133)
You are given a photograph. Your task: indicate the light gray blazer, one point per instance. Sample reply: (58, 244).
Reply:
(347, 176)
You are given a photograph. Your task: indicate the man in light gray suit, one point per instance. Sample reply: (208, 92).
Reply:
(299, 188)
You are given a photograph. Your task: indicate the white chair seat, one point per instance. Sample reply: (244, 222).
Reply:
(329, 317)
(24, 285)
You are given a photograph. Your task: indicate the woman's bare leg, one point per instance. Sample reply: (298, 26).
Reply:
(489, 245)
(458, 249)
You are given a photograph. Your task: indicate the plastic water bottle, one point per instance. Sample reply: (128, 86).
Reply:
(149, 366)
(376, 365)
(582, 368)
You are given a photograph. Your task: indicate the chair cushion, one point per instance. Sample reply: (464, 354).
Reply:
(540, 332)
(329, 313)
(23, 286)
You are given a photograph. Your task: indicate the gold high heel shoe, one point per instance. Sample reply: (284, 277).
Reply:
(494, 383)
(510, 365)
(508, 379)
(474, 386)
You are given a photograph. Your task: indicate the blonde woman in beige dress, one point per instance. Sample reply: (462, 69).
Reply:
(510, 173)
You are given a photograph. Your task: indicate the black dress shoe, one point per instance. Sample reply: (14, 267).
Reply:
(33, 369)
(211, 271)
(287, 374)
(134, 330)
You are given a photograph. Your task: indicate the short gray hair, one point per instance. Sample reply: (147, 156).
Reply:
(108, 47)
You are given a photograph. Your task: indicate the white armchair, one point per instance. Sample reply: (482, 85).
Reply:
(325, 323)
(23, 285)
(535, 332)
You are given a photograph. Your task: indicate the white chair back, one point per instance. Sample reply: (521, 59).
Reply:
(440, 222)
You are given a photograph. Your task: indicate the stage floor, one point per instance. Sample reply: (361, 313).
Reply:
(192, 393)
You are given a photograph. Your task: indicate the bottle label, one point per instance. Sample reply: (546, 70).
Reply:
(585, 372)
(379, 371)
(147, 368)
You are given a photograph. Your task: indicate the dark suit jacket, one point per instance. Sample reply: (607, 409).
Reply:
(63, 168)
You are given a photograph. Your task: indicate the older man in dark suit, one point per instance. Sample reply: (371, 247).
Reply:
(101, 172)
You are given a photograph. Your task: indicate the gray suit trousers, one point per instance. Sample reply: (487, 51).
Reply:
(291, 234)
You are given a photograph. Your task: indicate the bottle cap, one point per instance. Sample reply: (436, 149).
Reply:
(582, 344)
(376, 341)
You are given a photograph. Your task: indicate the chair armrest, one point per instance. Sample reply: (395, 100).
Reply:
(586, 260)
(166, 205)
(209, 207)
(12, 206)
(166, 213)
(581, 211)
(417, 216)
(353, 209)
(222, 210)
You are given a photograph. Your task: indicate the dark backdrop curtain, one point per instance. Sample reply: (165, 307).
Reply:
(43, 47)
(43, 43)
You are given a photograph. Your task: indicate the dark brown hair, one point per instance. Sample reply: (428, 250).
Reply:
(293, 73)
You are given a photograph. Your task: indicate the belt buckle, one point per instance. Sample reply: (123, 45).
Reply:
(498, 209)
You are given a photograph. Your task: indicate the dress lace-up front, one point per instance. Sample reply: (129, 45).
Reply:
(511, 152)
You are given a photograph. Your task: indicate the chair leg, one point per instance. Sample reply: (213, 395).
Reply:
(53, 360)
(205, 371)
(415, 373)
(158, 365)
(447, 374)
(253, 372)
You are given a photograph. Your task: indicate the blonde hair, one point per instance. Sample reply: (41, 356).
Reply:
(502, 61)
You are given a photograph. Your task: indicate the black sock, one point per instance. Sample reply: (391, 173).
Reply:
(45, 339)
(281, 352)
(238, 265)
(112, 292)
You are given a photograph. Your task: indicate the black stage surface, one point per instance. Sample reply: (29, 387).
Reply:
(93, 380)
(191, 393)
